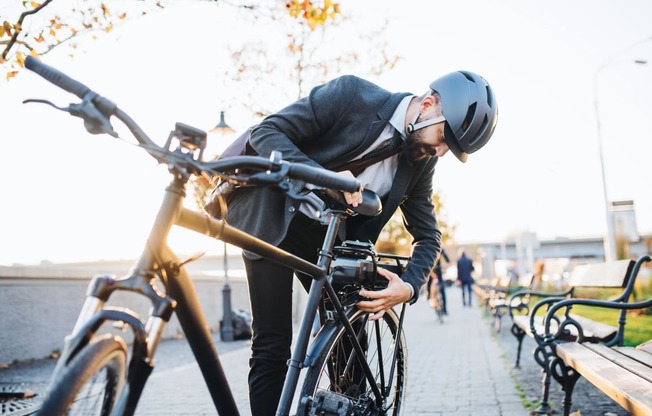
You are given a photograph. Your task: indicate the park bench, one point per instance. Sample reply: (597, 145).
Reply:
(498, 297)
(559, 326)
(622, 373)
(491, 291)
(595, 275)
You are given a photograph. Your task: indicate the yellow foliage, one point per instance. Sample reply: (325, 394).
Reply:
(11, 74)
(313, 14)
(35, 5)
(20, 59)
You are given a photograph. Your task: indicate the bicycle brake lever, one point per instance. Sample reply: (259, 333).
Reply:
(270, 178)
(303, 198)
(39, 101)
(95, 121)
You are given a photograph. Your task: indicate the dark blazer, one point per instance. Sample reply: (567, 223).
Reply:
(336, 122)
(464, 269)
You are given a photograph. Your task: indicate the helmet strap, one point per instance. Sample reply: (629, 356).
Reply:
(411, 128)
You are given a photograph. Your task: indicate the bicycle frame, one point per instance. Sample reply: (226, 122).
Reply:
(158, 262)
(157, 259)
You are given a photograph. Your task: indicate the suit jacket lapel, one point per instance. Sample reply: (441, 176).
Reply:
(384, 114)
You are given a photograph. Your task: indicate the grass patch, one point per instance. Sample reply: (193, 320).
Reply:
(638, 327)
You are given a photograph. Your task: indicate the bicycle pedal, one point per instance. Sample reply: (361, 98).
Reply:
(328, 403)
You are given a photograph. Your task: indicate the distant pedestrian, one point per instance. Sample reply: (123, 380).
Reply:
(441, 287)
(464, 277)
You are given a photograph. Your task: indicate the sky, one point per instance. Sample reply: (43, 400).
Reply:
(554, 65)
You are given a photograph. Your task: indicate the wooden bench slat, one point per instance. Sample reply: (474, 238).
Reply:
(623, 360)
(629, 390)
(646, 346)
(595, 330)
(613, 274)
(636, 354)
(592, 330)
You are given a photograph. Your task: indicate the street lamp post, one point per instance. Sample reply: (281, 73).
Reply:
(226, 329)
(610, 238)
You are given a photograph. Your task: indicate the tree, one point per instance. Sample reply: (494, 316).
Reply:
(40, 27)
(36, 28)
(294, 57)
(394, 238)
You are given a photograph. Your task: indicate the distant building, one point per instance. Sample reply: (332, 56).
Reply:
(560, 254)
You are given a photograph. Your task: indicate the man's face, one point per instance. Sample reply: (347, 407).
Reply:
(428, 141)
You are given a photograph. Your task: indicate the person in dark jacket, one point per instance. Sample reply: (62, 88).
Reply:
(441, 286)
(464, 276)
(338, 122)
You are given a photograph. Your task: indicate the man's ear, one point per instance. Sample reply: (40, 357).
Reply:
(428, 103)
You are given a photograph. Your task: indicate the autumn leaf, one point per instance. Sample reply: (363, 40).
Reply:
(11, 74)
(35, 4)
(7, 27)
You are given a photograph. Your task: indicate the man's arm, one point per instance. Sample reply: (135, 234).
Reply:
(419, 218)
(421, 222)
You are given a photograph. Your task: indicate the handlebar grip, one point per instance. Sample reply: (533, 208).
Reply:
(323, 177)
(56, 77)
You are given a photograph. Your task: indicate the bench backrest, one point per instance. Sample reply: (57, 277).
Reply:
(613, 274)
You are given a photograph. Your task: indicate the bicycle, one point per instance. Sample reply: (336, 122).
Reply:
(435, 299)
(353, 366)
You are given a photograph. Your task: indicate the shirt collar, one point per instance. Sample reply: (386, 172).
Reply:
(398, 118)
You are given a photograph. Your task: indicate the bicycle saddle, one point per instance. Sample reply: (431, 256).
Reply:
(370, 206)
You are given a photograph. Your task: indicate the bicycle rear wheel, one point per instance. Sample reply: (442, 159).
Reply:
(91, 383)
(336, 370)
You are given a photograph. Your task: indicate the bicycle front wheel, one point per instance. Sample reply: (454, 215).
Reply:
(337, 368)
(91, 383)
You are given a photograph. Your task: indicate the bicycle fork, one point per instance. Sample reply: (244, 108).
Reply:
(146, 336)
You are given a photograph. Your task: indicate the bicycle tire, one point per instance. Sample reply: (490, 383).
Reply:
(331, 355)
(76, 388)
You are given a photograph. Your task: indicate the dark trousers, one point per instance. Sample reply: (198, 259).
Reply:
(467, 291)
(442, 291)
(270, 295)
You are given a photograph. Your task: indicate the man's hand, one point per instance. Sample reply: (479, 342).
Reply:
(352, 198)
(397, 292)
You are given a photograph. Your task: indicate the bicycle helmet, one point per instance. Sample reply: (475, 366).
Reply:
(470, 109)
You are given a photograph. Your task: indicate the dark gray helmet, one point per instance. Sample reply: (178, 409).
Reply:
(470, 109)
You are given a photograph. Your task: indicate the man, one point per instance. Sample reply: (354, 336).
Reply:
(464, 270)
(337, 122)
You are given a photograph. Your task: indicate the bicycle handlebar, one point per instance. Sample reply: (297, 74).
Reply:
(56, 77)
(317, 176)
